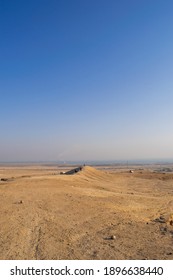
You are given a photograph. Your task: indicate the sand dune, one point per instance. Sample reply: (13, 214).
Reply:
(44, 215)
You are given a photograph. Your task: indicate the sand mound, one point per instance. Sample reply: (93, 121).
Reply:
(86, 171)
(90, 169)
(93, 173)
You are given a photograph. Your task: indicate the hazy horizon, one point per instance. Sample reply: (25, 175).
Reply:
(86, 80)
(94, 162)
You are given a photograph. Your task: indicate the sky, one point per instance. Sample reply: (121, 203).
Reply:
(86, 80)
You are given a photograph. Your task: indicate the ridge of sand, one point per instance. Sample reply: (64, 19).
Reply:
(92, 172)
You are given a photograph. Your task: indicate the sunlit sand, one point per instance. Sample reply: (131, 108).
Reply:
(92, 214)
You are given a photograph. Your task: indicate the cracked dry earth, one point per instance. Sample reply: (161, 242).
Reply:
(44, 215)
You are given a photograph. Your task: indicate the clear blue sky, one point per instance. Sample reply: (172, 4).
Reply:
(86, 80)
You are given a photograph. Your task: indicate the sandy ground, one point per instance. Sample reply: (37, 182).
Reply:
(94, 214)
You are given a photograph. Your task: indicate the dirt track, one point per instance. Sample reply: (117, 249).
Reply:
(49, 216)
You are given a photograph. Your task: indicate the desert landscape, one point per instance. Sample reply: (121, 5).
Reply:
(100, 212)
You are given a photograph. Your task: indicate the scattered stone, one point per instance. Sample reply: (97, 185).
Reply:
(163, 230)
(72, 171)
(113, 237)
(94, 253)
(160, 220)
(20, 202)
(4, 179)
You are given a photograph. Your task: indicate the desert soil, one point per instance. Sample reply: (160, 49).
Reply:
(93, 214)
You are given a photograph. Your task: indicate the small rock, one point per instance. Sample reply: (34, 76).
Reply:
(113, 237)
(163, 229)
(160, 220)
